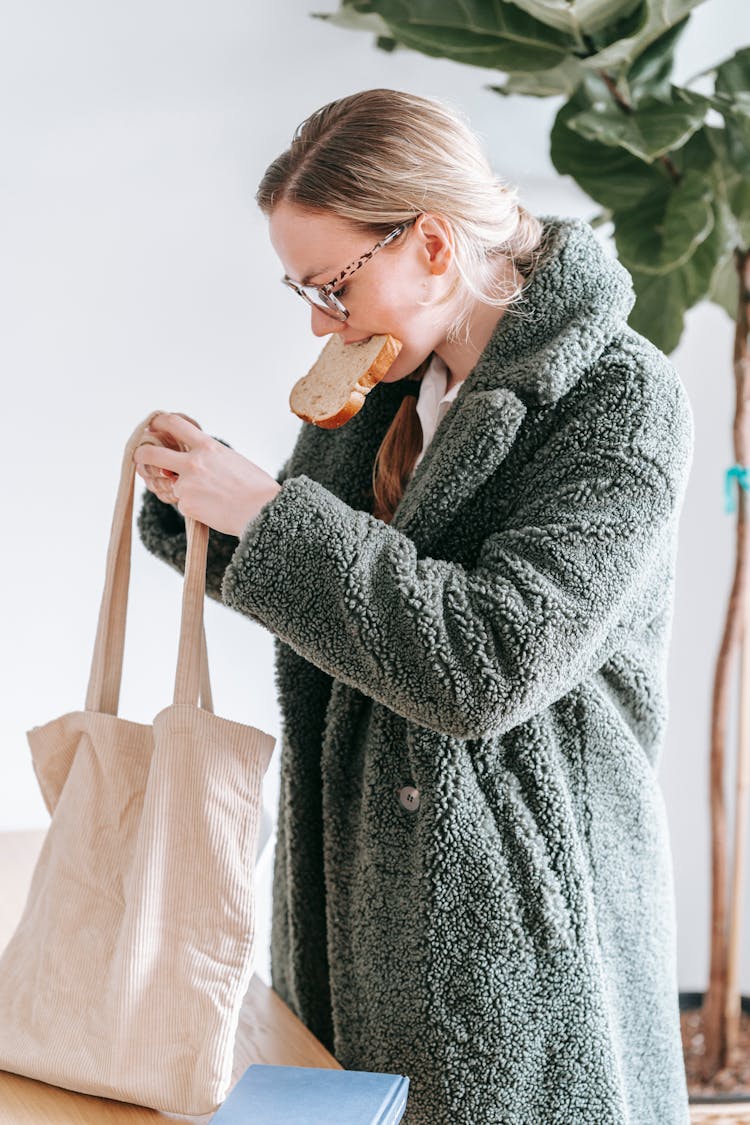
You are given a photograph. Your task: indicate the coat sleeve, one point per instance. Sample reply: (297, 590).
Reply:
(474, 651)
(161, 528)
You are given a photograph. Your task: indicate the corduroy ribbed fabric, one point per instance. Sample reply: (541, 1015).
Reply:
(127, 971)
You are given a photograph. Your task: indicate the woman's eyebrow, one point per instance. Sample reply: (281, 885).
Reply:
(307, 280)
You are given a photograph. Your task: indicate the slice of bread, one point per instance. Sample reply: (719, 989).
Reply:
(334, 389)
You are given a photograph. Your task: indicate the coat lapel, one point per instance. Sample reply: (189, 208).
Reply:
(471, 441)
(576, 300)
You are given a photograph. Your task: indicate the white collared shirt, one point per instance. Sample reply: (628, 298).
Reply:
(434, 401)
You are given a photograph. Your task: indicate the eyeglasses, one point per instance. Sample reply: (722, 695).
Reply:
(324, 297)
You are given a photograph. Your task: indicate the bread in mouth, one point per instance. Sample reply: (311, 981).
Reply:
(336, 385)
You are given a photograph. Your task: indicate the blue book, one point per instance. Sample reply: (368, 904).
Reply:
(310, 1095)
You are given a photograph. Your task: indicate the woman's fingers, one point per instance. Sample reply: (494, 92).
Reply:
(159, 481)
(158, 457)
(177, 434)
(154, 423)
(184, 432)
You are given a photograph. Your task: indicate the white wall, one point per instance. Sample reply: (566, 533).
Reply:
(136, 274)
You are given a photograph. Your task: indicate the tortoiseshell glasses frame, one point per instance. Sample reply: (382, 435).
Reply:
(324, 297)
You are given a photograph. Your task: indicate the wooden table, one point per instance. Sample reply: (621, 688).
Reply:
(735, 1113)
(268, 1033)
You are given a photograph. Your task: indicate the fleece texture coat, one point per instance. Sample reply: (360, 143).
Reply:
(473, 876)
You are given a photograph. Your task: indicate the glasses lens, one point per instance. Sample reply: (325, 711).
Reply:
(320, 300)
(324, 302)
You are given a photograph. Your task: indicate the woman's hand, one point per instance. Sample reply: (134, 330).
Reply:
(204, 479)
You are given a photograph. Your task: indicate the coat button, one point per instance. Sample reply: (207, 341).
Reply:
(408, 795)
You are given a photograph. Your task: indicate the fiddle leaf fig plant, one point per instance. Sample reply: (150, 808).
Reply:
(669, 168)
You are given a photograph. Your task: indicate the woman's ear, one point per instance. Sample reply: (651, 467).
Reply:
(437, 238)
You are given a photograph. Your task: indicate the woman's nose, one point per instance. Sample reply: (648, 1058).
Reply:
(322, 324)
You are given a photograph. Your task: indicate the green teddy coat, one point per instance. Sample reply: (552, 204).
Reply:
(473, 879)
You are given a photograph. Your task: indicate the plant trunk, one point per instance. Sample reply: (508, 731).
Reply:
(718, 1006)
(733, 1007)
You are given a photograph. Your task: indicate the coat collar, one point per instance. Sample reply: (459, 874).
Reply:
(578, 298)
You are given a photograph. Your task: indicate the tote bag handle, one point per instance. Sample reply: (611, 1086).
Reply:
(192, 676)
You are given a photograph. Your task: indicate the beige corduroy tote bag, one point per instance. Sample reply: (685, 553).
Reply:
(126, 974)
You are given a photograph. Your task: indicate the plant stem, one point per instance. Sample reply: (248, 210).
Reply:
(733, 1007)
(715, 1000)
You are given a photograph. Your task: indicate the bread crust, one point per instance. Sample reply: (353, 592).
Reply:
(359, 390)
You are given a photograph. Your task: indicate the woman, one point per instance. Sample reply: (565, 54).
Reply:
(473, 880)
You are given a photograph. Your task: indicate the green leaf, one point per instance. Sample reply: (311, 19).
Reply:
(732, 100)
(738, 196)
(659, 309)
(653, 128)
(610, 175)
(701, 268)
(733, 76)
(663, 14)
(697, 153)
(580, 18)
(561, 79)
(629, 23)
(473, 32)
(737, 124)
(649, 73)
(725, 287)
(663, 299)
(475, 50)
(351, 20)
(663, 232)
(731, 186)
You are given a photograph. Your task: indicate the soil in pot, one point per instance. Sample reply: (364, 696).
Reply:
(732, 1084)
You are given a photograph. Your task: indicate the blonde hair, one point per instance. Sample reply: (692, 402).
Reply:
(379, 157)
